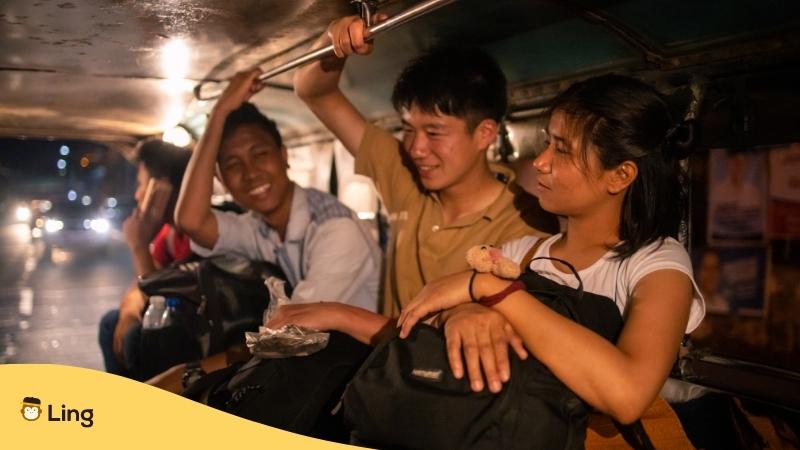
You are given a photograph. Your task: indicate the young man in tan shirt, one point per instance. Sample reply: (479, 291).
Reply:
(441, 193)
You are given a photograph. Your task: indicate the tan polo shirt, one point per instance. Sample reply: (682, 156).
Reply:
(421, 249)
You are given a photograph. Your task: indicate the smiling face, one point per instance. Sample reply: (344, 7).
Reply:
(442, 148)
(253, 169)
(568, 183)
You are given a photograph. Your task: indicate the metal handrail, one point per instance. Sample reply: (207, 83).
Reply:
(201, 90)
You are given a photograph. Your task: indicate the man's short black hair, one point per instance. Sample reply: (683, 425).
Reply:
(249, 114)
(463, 82)
(164, 160)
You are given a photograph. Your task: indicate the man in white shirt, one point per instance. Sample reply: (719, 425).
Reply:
(319, 243)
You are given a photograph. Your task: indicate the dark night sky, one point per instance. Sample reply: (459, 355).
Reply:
(30, 169)
(38, 157)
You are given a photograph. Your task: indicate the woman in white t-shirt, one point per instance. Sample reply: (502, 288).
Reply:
(611, 168)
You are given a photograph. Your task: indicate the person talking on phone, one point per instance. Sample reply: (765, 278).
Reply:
(154, 242)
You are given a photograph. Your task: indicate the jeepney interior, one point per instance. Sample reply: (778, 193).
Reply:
(101, 76)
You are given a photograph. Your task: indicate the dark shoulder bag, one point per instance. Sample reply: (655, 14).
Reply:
(405, 396)
(219, 301)
(296, 394)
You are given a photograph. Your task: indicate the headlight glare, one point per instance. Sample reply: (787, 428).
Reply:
(100, 225)
(53, 225)
(23, 214)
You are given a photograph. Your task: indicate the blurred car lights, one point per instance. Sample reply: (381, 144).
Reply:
(23, 214)
(41, 206)
(100, 225)
(53, 225)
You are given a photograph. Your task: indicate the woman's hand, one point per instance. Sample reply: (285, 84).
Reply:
(436, 296)
(482, 335)
(147, 218)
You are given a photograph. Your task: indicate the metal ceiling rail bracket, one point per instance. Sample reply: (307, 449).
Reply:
(209, 90)
(366, 9)
(648, 51)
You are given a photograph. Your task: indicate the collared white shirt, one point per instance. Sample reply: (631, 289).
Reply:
(328, 255)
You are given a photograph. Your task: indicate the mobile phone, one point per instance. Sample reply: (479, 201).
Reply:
(149, 191)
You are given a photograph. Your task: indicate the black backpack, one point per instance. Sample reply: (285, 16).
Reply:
(296, 394)
(218, 303)
(405, 396)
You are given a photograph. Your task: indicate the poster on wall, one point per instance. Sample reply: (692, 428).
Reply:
(784, 192)
(732, 279)
(783, 288)
(737, 195)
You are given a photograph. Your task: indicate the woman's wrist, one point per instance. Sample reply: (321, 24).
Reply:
(486, 284)
(494, 290)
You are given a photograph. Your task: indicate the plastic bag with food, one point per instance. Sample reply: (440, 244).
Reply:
(288, 340)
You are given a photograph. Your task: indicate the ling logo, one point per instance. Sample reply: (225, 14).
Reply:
(31, 408)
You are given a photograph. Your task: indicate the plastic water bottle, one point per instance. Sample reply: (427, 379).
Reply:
(168, 316)
(154, 313)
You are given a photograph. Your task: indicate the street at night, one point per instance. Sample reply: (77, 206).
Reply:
(50, 304)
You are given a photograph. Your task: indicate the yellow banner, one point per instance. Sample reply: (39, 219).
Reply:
(44, 406)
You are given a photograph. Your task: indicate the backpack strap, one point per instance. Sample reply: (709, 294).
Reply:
(526, 260)
(213, 313)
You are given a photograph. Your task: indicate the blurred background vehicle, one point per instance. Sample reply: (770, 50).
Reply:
(73, 224)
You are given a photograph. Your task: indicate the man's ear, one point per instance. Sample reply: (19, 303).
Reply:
(485, 133)
(622, 176)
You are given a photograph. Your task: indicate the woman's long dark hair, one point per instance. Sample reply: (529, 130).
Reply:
(628, 120)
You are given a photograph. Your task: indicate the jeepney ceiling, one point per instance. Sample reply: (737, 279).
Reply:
(128, 66)
(100, 68)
